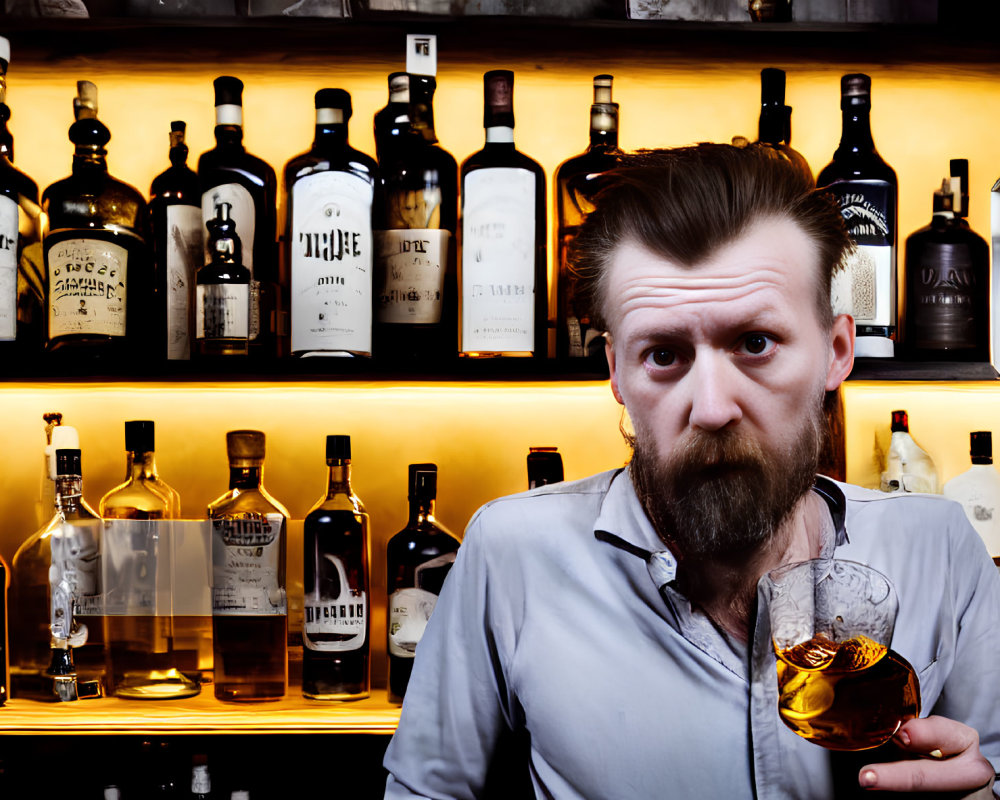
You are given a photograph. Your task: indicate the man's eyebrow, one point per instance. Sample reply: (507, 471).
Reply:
(763, 320)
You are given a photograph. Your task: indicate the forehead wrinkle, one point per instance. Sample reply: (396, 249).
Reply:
(691, 288)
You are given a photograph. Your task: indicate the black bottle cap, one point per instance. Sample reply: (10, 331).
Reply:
(334, 98)
(68, 462)
(228, 91)
(338, 448)
(981, 447)
(772, 86)
(423, 481)
(140, 436)
(900, 422)
(855, 90)
(498, 97)
(223, 241)
(178, 126)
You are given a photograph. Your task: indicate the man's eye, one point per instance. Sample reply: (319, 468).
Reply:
(757, 343)
(662, 358)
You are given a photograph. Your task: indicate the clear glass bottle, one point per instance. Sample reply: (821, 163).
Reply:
(866, 189)
(143, 494)
(544, 466)
(775, 126)
(100, 287)
(337, 551)
(504, 305)
(978, 490)
(577, 180)
(249, 607)
(223, 292)
(229, 174)
(56, 599)
(328, 244)
(418, 559)
(908, 466)
(22, 271)
(177, 235)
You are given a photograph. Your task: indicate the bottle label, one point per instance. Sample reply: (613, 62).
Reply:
(498, 261)
(184, 247)
(223, 311)
(246, 557)
(87, 287)
(242, 211)
(336, 616)
(75, 578)
(867, 287)
(8, 268)
(332, 253)
(411, 266)
(410, 609)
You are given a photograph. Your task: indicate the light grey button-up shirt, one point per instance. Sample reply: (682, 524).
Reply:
(552, 620)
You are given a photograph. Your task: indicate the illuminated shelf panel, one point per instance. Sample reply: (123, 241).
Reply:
(200, 715)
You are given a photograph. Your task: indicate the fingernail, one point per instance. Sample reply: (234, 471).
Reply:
(935, 753)
(868, 778)
(904, 737)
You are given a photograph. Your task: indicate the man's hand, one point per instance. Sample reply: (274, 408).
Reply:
(948, 761)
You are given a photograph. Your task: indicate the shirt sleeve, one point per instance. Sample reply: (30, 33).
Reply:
(455, 707)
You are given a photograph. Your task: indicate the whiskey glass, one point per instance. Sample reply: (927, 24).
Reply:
(839, 683)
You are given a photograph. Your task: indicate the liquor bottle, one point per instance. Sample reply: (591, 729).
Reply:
(336, 631)
(418, 559)
(175, 219)
(223, 294)
(544, 466)
(416, 308)
(978, 490)
(946, 299)
(56, 598)
(866, 189)
(504, 306)
(229, 174)
(100, 287)
(22, 282)
(143, 494)
(249, 609)
(577, 180)
(775, 126)
(908, 467)
(201, 780)
(328, 247)
(57, 437)
(392, 123)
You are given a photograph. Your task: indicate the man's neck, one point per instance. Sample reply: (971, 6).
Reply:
(726, 590)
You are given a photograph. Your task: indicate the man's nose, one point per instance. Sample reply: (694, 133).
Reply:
(714, 386)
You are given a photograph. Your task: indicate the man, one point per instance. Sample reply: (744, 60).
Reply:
(615, 619)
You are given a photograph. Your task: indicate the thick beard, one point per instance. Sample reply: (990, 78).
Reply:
(722, 496)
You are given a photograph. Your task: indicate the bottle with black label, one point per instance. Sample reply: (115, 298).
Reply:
(229, 174)
(416, 287)
(577, 180)
(328, 246)
(544, 466)
(946, 299)
(223, 305)
(503, 275)
(249, 608)
(775, 126)
(178, 245)
(866, 189)
(418, 559)
(337, 625)
(22, 281)
(100, 287)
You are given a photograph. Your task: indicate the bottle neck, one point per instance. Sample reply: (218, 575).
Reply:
(89, 157)
(771, 129)
(140, 465)
(500, 134)
(69, 490)
(179, 155)
(245, 477)
(604, 139)
(339, 478)
(229, 136)
(856, 134)
(421, 111)
(421, 508)
(6, 138)
(330, 135)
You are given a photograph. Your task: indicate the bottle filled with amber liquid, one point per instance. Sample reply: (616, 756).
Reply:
(249, 608)
(178, 234)
(145, 661)
(503, 277)
(337, 552)
(418, 559)
(577, 181)
(223, 294)
(328, 245)
(100, 287)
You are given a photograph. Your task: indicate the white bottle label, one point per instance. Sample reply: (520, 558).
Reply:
(223, 311)
(184, 247)
(498, 261)
(8, 268)
(246, 555)
(412, 265)
(335, 624)
(410, 609)
(242, 212)
(87, 287)
(331, 246)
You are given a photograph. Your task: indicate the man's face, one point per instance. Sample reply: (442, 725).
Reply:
(722, 367)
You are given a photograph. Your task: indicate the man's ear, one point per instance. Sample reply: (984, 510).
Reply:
(841, 351)
(609, 351)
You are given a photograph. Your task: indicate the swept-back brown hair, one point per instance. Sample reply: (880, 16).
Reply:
(685, 203)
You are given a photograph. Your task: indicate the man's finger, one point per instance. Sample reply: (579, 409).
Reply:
(959, 774)
(945, 736)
